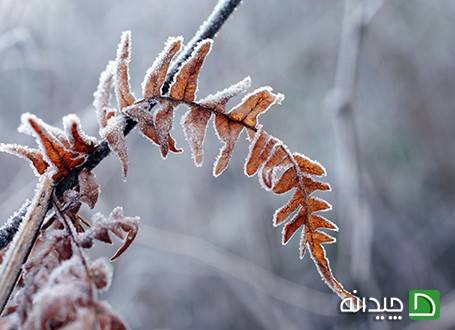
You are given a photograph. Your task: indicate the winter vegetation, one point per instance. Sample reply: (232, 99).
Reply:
(204, 254)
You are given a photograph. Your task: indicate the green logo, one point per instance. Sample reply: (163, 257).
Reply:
(424, 304)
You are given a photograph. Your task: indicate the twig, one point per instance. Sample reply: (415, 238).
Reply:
(11, 226)
(352, 206)
(24, 240)
(60, 212)
(41, 203)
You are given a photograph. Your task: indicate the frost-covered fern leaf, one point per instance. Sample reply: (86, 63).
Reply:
(278, 169)
(282, 171)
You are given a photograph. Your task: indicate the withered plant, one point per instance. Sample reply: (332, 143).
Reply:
(59, 285)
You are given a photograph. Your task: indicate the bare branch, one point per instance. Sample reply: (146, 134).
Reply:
(25, 239)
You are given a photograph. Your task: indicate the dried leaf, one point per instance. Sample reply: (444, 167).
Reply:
(33, 155)
(195, 121)
(194, 124)
(228, 132)
(286, 182)
(184, 86)
(279, 159)
(115, 223)
(108, 320)
(287, 209)
(113, 133)
(145, 120)
(122, 77)
(163, 119)
(309, 166)
(101, 272)
(254, 104)
(80, 142)
(260, 149)
(89, 189)
(218, 100)
(102, 95)
(55, 153)
(156, 74)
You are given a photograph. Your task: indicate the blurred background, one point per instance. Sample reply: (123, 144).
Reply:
(207, 256)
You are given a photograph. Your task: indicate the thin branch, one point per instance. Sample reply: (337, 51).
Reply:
(24, 240)
(11, 226)
(352, 205)
(60, 212)
(207, 30)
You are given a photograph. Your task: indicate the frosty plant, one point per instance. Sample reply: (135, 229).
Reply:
(65, 158)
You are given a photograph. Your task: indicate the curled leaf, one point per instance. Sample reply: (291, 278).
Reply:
(253, 105)
(218, 100)
(163, 119)
(194, 124)
(145, 120)
(113, 133)
(33, 155)
(102, 95)
(101, 273)
(80, 142)
(156, 74)
(260, 149)
(89, 189)
(55, 153)
(184, 86)
(228, 132)
(117, 223)
(122, 77)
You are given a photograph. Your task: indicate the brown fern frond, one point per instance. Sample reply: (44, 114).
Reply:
(279, 170)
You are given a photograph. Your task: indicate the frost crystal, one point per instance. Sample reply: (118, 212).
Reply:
(11, 226)
(102, 95)
(113, 133)
(222, 97)
(156, 74)
(122, 77)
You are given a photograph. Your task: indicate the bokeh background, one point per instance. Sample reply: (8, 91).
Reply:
(207, 256)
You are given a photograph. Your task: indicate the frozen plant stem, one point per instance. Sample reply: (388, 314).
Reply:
(25, 239)
(353, 208)
(72, 233)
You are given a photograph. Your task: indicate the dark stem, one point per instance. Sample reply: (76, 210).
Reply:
(208, 29)
(73, 235)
